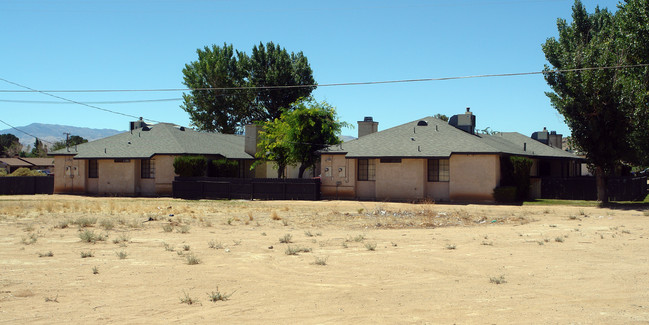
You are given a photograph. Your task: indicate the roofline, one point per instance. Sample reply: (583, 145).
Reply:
(167, 154)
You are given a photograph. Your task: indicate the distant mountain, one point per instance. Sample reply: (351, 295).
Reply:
(346, 138)
(55, 132)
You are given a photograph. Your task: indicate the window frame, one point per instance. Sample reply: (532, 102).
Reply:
(147, 169)
(366, 169)
(93, 168)
(439, 170)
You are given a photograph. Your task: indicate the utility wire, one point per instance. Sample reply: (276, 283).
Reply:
(105, 102)
(29, 134)
(73, 101)
(323, 85)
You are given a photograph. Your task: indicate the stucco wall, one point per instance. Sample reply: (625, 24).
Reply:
(401, 181)
(437, 191)
(164, 175)
(116, 178)
(473, 177)
(338, 176)
(69, 175)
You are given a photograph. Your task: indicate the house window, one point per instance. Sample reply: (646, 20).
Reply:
(438, 170)
(147, 169)
(390, 160)
(93, 170)
(122, 160)
(366, 169)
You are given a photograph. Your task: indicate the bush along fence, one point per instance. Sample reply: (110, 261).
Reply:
(585, 188)
(26, 185)
(246, 188)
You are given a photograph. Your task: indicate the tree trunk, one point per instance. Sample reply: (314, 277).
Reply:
(280, 171)
(600, 180)
(301, 170)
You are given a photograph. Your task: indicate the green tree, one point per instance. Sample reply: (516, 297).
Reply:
(441, 117)
(6, 141)
(299, 133)
(632, 20)
(73, 140)
(247, 98)
(39, 150)
(589, 99)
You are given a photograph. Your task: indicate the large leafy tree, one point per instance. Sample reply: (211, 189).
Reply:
(73, 140)
(589, 99)
(632, 21)
(6, 141)
(299, 133)
(250, 83)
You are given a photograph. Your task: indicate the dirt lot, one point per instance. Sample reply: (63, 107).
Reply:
(356, 262)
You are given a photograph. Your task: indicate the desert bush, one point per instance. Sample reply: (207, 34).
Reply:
(48, 254)
(30, 239)
(320, 261)
(214, 244)
(22, 171)
(85, 221)
(505, 194)
(498, 280)
(286, 239)
(87, 254)
(295, 250)
(167, 227)
(218, 296)
(90, 236)
(95, 270)
(187, 299)
(107, 224)
(184, 229)
(192, 259)
(370, 246)
(122, 254)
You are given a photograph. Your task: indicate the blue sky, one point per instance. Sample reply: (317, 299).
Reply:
(120, 44)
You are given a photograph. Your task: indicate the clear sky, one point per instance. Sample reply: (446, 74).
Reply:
(144, 44)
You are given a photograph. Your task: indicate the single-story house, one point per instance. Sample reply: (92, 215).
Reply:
(11, 164)
(140, 161)
(431, 159)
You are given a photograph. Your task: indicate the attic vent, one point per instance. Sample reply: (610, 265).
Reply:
(422, 123)
(182, 128)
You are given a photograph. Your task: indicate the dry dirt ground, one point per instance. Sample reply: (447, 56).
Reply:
(356, 262)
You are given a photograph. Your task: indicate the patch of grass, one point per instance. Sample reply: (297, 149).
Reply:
(95, 270)
(286, 239)
(558, 239)
(29, 228)
(30, 239)
(184, 229)
(168, 247)
(572, 217)
(274, 216)
(122, 238)
(370, 246)
(188, 299)
(63, 224)
(263, 234)
(236, 242)
(192, 259)
(487, 243)
(552, 226)
(295, 250)
(285, 222)
(214, 244)
(215, 296)
(551, 202)
(345, 245)
(358, 238)
(360, 210)
(90, 236)
(498, 280)
(451, 246)
(540, 242)
(87, 254)
(308, 233)
(168, 227)
(55, 299)
(107, 224)
(122, 254)
(186, 248)
(320, 261)
(48, 254)
(84, 222)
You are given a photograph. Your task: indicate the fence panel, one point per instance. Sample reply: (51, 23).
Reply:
(16, 185)
(246, 188)
(585, 188)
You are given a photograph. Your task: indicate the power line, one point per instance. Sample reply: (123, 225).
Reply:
(363, 83)
(29, 134)
(73, 101)
(105, 102)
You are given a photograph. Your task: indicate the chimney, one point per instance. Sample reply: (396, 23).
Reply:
(251, 133)
(464, 122)
(138, 124)
(367, 126)
(556, 140)
(542, 136)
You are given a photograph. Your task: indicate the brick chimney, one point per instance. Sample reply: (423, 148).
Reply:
(367, 126)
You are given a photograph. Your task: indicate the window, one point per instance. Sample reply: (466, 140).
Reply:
(438, 170)
(147, 169)
(390, 160)
(366, 169)
(93, 170)
(122, 160)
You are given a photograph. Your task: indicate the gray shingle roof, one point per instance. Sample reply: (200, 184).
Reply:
(162, 138)
(439, 139)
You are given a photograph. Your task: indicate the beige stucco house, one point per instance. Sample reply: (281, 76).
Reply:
(432, 159)
(140, 161)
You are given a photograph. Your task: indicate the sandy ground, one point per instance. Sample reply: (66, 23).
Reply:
(430, 263)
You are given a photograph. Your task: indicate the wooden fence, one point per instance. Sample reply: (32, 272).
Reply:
(585, 188)
(15, 185)
(246, 188)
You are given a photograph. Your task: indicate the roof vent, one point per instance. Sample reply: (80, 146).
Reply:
(182, 128)
(422, 123)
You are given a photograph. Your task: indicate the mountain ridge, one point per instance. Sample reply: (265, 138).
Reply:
(51, 133)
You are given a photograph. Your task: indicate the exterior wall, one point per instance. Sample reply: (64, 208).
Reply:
(437, 191)
(473, 177)
(116, 178)
(164, 176)
(401, 181)
(338, 177)
(69, 175)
